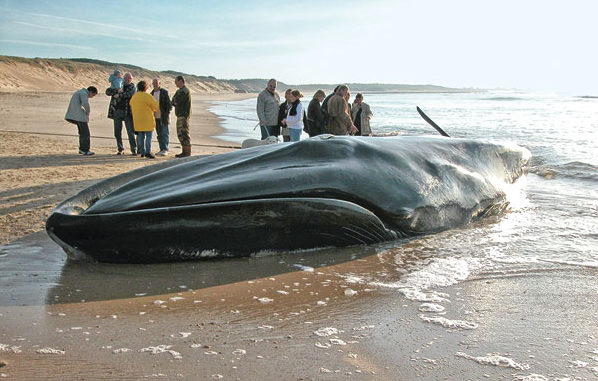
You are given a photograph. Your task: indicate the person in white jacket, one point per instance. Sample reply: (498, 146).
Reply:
(78, 113)
(294, 119)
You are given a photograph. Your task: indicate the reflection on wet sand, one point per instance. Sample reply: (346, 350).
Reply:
(36, 271)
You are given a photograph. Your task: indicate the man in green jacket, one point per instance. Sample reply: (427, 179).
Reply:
(181, 100)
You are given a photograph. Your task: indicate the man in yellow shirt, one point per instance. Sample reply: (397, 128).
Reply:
(143, 106)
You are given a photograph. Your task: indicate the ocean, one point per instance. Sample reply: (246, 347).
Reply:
(553, 216)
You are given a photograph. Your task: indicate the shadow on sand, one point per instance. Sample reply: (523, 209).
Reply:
(47, 161)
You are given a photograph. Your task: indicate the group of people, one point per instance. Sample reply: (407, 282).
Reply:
(141, 112)
(332, 114)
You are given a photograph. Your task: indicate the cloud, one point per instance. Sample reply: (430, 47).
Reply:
(49, 44)
(87, 32)
(106, 26)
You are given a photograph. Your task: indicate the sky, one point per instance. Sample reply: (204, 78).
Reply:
(542, 45)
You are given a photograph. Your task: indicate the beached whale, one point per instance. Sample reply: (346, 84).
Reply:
(323, 191)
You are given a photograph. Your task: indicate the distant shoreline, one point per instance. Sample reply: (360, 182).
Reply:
(245, 95)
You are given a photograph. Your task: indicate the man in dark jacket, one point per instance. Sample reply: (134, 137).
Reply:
(283, 109)
(181, 100)
(122, 113)
(162, 116)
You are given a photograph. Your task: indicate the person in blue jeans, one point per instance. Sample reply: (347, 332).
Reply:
(162, 116)
(122, 113)
(143, 107)
(294, 119)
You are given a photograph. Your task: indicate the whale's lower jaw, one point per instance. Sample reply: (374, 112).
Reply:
(225, 229)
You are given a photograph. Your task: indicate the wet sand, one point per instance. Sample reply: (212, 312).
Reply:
(314, 323)
(285, 316)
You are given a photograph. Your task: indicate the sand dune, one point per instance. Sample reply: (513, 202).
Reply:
(45, 74)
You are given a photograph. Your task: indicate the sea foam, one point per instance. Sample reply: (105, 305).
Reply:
(494, 359)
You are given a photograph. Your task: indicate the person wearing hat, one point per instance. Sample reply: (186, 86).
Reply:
(116, 80)
(116, 87)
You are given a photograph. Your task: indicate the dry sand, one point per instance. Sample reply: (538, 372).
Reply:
(39, 153)
(307, 324)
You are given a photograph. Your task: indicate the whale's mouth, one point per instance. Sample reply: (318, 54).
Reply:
(228, 228)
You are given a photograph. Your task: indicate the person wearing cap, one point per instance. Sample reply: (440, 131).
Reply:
(116, 80)
(116, 86)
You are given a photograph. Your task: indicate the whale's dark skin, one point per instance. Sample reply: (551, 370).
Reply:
(324, 191)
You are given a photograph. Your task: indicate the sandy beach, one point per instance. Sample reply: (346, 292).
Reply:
(39, 151)
(290, 316)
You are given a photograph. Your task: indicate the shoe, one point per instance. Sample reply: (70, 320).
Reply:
(120, 152)
(88, 153)
(149, 156)
(162, 153)
(133, 153)
(186, 151)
